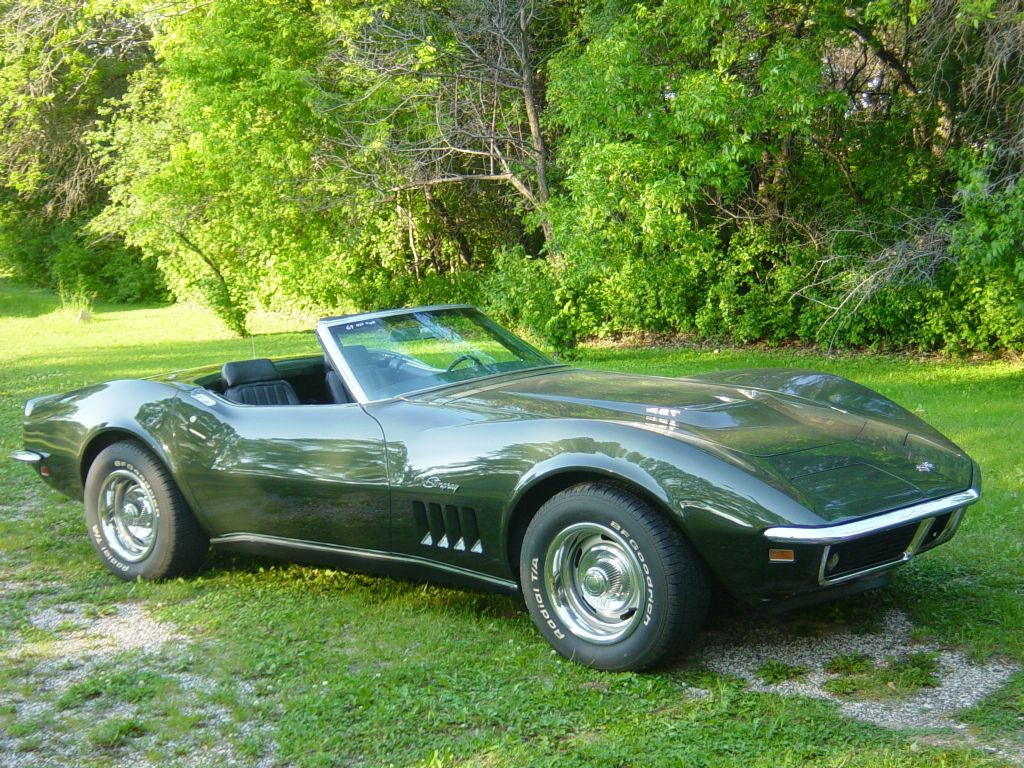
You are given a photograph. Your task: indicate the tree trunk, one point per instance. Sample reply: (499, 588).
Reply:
(453, 229)
(537, 138)
(407, 227)
(223, 304)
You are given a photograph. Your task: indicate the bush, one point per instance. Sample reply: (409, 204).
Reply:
(50, 255)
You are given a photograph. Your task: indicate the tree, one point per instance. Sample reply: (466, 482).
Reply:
(61, 63)
(428, 94)
(768, 166)
(209, 156)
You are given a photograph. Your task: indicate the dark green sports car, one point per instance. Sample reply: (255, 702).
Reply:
(431, 443)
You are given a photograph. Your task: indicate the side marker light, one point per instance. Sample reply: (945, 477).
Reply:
(780, 556)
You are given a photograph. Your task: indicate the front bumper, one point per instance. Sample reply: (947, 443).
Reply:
(29, 457)
(870, 545)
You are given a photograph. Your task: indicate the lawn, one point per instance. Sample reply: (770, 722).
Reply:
(260, 663)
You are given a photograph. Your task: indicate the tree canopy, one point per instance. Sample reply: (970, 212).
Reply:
(845, 173)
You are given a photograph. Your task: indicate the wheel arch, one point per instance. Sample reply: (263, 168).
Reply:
(532, 496)
(105, 438)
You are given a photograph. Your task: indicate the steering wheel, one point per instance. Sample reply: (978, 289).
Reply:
(461, 359)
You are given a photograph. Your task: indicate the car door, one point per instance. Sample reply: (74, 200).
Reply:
(312, 473)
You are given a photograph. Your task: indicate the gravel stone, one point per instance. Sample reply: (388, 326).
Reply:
(82, 643)
(739, 647)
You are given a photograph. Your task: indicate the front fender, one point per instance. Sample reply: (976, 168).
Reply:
(721, 507)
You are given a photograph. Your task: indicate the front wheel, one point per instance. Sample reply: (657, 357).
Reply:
(137, 519)
(609, 581)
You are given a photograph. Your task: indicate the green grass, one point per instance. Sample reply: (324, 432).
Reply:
(1002, 713)
(337, 669)
(774, 671)
(850, 664)
(896, 678)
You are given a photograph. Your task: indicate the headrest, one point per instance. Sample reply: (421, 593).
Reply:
(248, 372)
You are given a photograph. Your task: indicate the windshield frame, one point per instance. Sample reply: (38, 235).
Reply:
(328, 340)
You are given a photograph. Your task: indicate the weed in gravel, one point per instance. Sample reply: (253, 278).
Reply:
(842, 686)
(113, 733)
(121, 686)
(916, 670)
(78, 694)
(21, 729)
(774, 672)
(896, 678)
(850, 664)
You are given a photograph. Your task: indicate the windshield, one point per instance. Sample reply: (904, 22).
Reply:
(397, 354)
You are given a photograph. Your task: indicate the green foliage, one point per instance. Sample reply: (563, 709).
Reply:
(206, 147)
(711, 135)
(774, 672)
(990, 236)
(742, 171)
(751, 294)
(60, 63)
(520, 291)
(850, 664)
(896, 678)
(64, 254)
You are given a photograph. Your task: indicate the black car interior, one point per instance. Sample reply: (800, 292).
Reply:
(256, 382)
(302, 381)
(311, 380)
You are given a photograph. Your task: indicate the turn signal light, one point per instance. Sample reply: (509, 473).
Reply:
(780, 556)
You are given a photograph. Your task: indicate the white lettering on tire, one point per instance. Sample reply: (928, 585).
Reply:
(649, 606)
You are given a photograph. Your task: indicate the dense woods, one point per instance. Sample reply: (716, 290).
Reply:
(844, 173)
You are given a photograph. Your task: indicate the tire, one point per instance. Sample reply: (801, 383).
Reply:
(610, 583)
(137, 519)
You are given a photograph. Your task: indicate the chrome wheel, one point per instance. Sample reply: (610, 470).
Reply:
(595, 582)
(127, 515)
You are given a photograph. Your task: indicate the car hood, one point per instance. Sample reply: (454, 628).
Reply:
(842, 449)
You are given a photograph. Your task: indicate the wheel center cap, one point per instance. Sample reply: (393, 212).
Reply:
(130, 512)
(595, 582)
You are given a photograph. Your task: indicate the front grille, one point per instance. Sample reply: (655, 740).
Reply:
(870, 551)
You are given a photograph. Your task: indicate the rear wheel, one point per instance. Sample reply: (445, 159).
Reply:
(137, 519)
(609, 581)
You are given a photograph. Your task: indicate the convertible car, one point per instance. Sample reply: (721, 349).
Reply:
(430, 443)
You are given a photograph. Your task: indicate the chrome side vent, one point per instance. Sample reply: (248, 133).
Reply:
(447, 527)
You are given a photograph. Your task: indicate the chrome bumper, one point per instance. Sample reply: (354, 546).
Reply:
(914, 528)
(836, 534)
(28, 457)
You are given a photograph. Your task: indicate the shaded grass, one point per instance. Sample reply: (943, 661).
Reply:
(349, 669)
